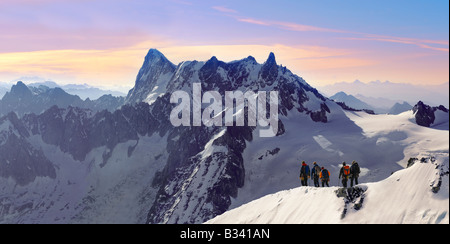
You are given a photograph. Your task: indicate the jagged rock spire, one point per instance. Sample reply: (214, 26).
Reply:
(269, 71)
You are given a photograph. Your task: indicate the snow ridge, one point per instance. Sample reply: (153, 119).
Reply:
(406, 197)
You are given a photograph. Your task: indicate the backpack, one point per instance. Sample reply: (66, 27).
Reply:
(325, 174)
(346, 170)
(316, 170)
(355, 168)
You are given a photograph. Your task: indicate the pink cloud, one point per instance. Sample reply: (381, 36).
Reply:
(422, 43)
(436, 45)
(254, 21)
(225, 9)
(35, 2)
(300, 27)
(289, 25)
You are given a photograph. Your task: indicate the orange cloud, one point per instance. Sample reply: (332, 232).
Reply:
(102, 67)
(120, 66)
(319, 65)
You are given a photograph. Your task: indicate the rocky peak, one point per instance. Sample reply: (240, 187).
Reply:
(271, 59)
(251, 59)
(152, 74)
(269, 70)
(154, 56)
(425, 114)
(20, 90)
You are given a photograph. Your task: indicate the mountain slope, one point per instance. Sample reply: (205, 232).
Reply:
(408, 196)
(80, 167)
(403, 197)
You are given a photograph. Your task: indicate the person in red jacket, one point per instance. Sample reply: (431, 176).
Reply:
(304, 174)
(344, 173)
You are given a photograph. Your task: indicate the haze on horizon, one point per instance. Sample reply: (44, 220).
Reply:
(104, 43)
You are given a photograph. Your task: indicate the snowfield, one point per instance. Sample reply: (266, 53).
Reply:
(404, 196)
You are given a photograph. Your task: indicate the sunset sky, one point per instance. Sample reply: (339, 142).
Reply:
(104, 42)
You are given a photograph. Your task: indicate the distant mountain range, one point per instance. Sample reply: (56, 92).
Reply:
(23, 99)
(434, 95)
(350, 100)
(84, 91)
(379, 105)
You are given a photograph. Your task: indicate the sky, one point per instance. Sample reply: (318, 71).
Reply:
(104, 42)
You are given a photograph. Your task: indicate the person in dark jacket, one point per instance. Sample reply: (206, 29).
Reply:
(304, 174)
(315, 174)
(325, 177)
(344, 173)
(354, 173)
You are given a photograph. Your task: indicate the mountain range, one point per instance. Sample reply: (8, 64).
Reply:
(379, 105)
(84, 91)
(434, 95)
(23, 99)
(131, 165)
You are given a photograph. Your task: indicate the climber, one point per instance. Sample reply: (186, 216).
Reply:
(304, 174)
(315, 174)
(325, 176)
(354, 173)
(344, 173)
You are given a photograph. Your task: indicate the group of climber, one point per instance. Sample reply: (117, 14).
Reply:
(318, 173)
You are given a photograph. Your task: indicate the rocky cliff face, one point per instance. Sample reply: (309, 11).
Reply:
(18, 158)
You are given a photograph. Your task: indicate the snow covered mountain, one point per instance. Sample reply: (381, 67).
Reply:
(73, 166)
(416, 195)
(399, 108)
(435, 117)
(133, 166)
(206, 169)
(350, 100)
